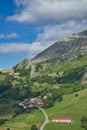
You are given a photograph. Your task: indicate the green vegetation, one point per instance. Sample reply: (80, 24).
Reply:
(23, 68)
(59, 85)
(53, 81)
(2, 121)
(84, 122)
(24, 121)
(5, 83)
(38, 67)
(71, 105)
(34, 127)
(8, 129)
(23, 71)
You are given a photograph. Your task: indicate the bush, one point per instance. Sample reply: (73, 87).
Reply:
(38, 67)
(8, 129)
(19, 93)
(5, 85)
(84, 122)
(14, 116)
(48, 103)
(2, 121)
(76, 95)
(34, 127)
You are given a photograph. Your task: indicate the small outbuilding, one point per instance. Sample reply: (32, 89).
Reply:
(62, 119)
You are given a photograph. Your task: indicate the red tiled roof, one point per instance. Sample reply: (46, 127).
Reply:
(62, 118)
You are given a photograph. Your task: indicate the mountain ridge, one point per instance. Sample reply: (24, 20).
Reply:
(67, 48)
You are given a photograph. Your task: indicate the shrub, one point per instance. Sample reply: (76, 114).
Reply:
(2, 121)
(8, 129)
(84, 122)
(34, 127)
(76, 95)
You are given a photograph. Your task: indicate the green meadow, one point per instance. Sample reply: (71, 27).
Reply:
(24, 121)
(72, 106)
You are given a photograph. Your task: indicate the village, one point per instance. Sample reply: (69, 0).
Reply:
(32, 103)
(37, 103)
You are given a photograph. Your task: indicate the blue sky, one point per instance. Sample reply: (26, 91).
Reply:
(27, 27)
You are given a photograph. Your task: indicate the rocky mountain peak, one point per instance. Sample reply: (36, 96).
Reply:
(67, 48)
(70, 37)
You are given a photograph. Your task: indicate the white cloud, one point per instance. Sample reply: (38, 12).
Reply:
(57, 17)
(11, 35)
(30, 49)
(49, 35)
(41, 11)
(52, 33)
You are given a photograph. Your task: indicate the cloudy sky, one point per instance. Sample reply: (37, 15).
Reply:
(29, 26)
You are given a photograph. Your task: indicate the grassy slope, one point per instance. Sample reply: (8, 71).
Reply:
(56, 69)
(24, 121)
(70, 65)
(2, 77)
(71, 106)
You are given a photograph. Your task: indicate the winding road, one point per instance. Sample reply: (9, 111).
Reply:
(46, 118)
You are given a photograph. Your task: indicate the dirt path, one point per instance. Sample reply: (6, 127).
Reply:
(46, 118)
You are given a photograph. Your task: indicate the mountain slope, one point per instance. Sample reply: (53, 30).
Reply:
(67, 48)
(56, 83)
(23, 64)
(23, 67)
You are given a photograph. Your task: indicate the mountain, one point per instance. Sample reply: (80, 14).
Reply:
(25, 64)
(67, 48)
(61, 82)
(23, 67)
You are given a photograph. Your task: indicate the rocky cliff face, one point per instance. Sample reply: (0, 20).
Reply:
(25, 64)
(67, 48)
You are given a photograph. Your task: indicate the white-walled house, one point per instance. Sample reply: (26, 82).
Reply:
(33, 102)
(62, 119)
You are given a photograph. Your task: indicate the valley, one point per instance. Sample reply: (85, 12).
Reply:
(58, 78)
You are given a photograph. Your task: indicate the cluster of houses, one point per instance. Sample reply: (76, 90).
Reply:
(37, 103)
(62, 119)
(32, 103)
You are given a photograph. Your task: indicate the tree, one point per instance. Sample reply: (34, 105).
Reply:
(8, 129)
(48, 103)
(38, 67)
(5, 85)
(2, 121)
(76, 95)
(34, 127)
(84, 122)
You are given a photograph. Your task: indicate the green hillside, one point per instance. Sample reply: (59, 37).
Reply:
(52, 80)
(72, 106)
(66, 76)
(60, 83)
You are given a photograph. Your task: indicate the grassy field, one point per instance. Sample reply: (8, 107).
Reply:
(24, 121)
(68, 65)
(72, 106)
